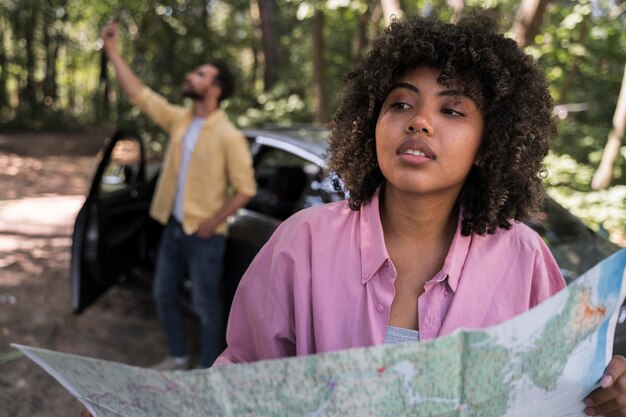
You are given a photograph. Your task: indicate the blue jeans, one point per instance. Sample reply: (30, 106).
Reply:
(202, 259)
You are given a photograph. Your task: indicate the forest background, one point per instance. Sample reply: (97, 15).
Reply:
(291, 56)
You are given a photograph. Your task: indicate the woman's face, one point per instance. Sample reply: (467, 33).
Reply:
(427, 135)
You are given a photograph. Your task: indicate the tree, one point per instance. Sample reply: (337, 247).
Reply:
(603, 175)
(390, 8)
(360, 40)
(266, 13)
(457, 6)
(29, 92)
(319, 72)
(528, 21)
(4, 99)
(54, 18)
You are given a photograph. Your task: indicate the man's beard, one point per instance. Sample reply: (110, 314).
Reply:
(194, 95)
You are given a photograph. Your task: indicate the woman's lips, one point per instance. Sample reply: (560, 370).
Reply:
(415, 150)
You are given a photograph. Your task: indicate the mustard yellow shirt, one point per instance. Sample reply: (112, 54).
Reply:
(221, 162)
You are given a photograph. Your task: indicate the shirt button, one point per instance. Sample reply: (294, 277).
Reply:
(380, 308)
(366, 275)
(446, 293)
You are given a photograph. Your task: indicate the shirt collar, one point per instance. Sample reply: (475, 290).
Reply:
(457, 254)
(216, 116)
(374, 252)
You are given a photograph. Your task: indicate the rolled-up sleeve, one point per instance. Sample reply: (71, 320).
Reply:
(158, 108)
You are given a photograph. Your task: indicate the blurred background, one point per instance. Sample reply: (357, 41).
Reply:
(59, 101)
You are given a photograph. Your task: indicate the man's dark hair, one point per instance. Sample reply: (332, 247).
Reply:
(224, 78)
(504, 82)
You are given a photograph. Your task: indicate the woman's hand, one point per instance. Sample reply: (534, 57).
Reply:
(610, 399)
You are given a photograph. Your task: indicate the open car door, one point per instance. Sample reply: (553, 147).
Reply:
(109, 236)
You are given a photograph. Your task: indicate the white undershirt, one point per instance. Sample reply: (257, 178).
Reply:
(398, 335)
(189, 143)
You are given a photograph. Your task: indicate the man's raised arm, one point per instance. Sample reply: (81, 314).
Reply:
(130, 83)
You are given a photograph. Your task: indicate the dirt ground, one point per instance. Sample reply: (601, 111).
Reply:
(43, 180)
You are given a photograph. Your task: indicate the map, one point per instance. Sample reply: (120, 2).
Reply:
(541, 363)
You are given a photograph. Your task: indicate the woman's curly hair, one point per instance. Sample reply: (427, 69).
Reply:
(507, 87)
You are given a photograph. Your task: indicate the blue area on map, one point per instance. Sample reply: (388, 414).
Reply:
(609, 285)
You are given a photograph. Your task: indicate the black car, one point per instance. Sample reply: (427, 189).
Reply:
(115, 239)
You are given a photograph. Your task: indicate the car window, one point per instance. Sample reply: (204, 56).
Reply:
(122, 169)
(324, 188)
(281, 179)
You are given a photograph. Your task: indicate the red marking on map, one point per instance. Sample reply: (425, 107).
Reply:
(590, 312)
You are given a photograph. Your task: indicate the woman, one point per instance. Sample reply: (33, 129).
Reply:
(439, 140)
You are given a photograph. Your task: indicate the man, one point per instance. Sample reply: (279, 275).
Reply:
(206, 158)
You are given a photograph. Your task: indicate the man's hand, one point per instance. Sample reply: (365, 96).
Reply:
(206, 229)
(85, 413)
(109, 36)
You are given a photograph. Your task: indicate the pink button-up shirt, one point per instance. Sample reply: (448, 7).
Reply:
(324, 282)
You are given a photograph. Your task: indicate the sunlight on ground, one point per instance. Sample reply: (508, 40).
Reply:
(32, 229)
(40, 215)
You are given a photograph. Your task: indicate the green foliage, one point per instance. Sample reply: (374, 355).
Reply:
(582, 50)
(568, 183)
(277, 106)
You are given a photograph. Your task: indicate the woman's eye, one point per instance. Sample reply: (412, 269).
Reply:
(451, 112)
(400, 105)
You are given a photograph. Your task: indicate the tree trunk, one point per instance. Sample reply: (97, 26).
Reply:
(390, 8)
(457, 6)
(252, 80)
(257, 54)
(319, 69)
(47, 47)
(4, 97)
(105, 84)
(71, 72)
(52, 42)
(528, 21)
(360, 40)
(266, 14)
(604, 174)
(30, 93)
(375, 18)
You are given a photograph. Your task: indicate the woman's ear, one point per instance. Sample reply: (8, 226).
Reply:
(478, 159)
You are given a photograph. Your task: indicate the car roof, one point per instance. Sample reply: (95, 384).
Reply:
(311, 139)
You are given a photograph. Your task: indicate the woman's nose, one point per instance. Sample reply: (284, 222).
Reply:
(420, 122)
(412, 129)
